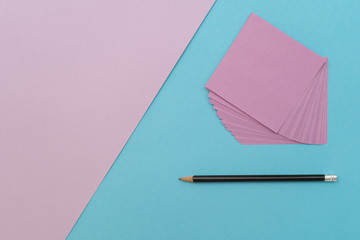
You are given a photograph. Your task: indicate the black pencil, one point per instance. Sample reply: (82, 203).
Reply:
(259, 178)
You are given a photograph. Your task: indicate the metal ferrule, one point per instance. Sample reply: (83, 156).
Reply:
(330, 178)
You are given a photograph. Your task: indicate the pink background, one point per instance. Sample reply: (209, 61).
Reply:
(75, 79)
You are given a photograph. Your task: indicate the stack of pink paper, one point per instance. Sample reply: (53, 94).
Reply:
(270, 89)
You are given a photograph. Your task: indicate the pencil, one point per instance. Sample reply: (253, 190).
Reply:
(260, 178)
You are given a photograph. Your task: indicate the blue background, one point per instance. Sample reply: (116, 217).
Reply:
(180, 135)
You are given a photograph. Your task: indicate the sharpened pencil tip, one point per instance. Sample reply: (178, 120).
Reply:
(187, 179)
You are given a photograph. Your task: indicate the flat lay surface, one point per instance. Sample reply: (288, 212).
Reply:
(180, 135)
(71, 95)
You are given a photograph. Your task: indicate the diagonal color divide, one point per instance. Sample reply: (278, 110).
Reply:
(75, 79)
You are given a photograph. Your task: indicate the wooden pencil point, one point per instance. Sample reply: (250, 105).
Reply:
(187, 179)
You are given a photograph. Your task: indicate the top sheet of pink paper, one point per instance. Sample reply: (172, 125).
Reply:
(75, 79)
(275, 70)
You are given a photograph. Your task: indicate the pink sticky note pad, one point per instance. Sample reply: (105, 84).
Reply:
(276, 81)
(76, 77)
